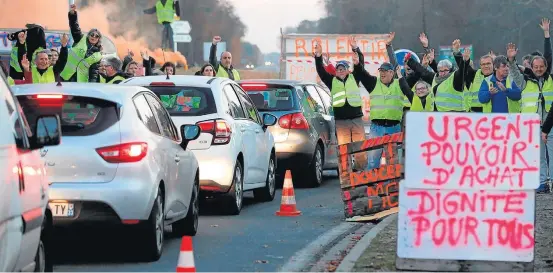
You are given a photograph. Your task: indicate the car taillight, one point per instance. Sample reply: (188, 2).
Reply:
(162, 84)
(124, 153)
(49, 96)
(218, 128)
(253, 86)
(293, 121)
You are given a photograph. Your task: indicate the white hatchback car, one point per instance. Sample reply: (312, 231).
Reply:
(121, 160)
(235, 150)
(25, 219)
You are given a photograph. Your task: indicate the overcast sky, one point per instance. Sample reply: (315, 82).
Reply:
(264, 18)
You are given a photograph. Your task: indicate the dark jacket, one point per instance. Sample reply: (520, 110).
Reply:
(216, 64)
(77, 34)
(153, 9)
(36, 38)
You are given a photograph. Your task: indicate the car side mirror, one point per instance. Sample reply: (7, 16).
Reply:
(47, 132)
(189, 132)
(269, 120)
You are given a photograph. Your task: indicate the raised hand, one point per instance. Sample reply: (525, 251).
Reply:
(64, 40)
(456, 45)
(398, 72)
(545, 24)
(216, 39)
(318, 50)
(21, 36)
(352, 42)
(466, 54)
(73, 9)
(391, 37)
(425, 61)
(144, 55)
(512, 51)
(431, 55)
(25, 63)
(424, 40)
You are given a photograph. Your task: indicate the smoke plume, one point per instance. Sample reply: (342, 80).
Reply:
(121, 20)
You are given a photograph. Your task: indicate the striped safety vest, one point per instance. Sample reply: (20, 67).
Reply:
(387, 101)
(349, 91)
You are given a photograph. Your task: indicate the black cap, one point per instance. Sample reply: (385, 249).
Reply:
(386, 67)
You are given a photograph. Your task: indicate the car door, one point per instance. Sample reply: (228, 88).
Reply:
(330, 125)
(179, 176)
(32, 187)
(245, 129)
(261, 150)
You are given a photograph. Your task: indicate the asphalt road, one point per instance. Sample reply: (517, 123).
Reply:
(255, 240)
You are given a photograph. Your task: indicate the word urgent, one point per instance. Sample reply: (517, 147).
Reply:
(472, 151)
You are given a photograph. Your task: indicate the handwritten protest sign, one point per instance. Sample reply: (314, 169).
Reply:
(469, 187)
(376, 191)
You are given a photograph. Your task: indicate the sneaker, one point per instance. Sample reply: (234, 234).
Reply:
(543, 188)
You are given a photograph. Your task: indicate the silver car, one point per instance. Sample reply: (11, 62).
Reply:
(305, 138)
(121, 160)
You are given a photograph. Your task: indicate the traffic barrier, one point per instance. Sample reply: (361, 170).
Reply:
(186, 256)
(288, 202)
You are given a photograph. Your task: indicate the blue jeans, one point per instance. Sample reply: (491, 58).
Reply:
(543, 159)
(374, 156)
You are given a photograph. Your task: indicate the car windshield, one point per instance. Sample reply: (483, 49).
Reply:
(272, 98)
(185, 100)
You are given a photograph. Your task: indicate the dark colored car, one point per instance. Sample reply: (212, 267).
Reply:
(305, 138)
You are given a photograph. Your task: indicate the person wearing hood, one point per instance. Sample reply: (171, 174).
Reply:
(113, 65)
(85, 54)
(223, 68)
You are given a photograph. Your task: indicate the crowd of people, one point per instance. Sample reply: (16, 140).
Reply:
(32, 62)
(500, 85)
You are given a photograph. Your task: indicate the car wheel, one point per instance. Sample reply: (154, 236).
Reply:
(152, 231)
(40, 258)
(43, 259)
(189, 225)
(315, 172)
(267, 193)
(235, 196)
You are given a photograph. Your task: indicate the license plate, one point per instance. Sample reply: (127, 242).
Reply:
(62, 209)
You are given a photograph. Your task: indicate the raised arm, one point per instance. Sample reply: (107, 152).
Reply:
(359, 72)
(213, 53)
(514, 71)
(62, 60)
(547, 54)
(459, 74)
(403, 85)
(76, 32)
(326, 77)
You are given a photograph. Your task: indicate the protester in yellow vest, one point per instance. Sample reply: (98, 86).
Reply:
(423, 101)
(18, 51)
(42, 71)
(346, 102)
(165, 12)
(499, 93)
(223, 68)
(386, 97)
(85, 54)
(112, 66)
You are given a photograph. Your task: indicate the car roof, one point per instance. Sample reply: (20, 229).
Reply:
(111, 92)
(178, 80)
(277, 81)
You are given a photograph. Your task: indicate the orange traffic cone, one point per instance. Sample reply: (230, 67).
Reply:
(288, 202)
(186, 256)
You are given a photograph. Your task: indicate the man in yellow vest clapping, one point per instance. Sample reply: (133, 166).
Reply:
(223, 68)
(498, 92)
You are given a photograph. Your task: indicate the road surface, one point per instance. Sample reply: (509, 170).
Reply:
(255, 240)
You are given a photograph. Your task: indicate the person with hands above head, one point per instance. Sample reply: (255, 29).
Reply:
(448, 84)
(42, 71)
(346, 101)
(25, 67)
(223, 67)
(386, 95)
(165, 11)
(499, 93)
(85, 54)
(18, 51)
(473, 78)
